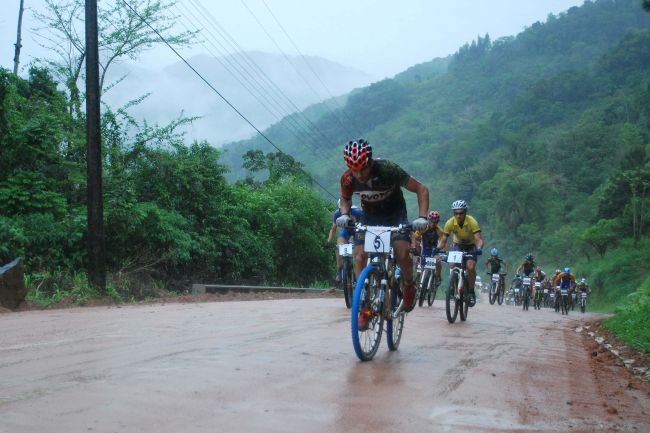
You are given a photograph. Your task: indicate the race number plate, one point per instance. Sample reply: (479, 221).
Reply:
(527, 281)
(345, 250)
(430, 263)
(495, 278)
(545, 290)
(583, 295)
(517, 290)
(563, 291)
(455, 257)
(377, 239)
(538, 284)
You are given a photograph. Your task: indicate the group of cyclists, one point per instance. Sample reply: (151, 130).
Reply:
(378, 184)
(530, 282)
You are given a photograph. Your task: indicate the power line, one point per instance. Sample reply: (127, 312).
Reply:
(255, 70)
(162, 38)
(291, 122)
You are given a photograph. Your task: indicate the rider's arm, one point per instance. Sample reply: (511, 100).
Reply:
(345, 206)
(478, 240)
(442, 243)
(505, 264)
(422, 192)
(330, 235)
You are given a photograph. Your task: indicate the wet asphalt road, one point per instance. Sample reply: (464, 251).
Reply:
(289, 366)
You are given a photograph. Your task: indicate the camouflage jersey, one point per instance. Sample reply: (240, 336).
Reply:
(495, 264)
(382, 194)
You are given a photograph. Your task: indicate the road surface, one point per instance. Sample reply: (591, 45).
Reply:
(289, 366)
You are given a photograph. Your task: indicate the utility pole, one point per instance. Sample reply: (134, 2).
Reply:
(18, 45)
(96, 251)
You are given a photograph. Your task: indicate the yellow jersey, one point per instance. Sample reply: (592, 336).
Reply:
(462, 235)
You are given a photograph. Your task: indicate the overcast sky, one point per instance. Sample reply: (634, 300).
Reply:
(380, 37)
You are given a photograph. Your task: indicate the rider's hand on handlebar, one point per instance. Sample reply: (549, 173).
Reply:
(343, 221)
(420, 223)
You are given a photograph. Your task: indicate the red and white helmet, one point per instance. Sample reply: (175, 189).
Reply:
(434, 215)
(357, 154)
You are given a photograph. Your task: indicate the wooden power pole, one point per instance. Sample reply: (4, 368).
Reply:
(96, 250)
(18, 44)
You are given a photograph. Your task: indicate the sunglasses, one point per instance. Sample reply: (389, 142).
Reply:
(459, 213)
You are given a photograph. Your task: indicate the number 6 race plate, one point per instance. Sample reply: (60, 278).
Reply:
(377, 239)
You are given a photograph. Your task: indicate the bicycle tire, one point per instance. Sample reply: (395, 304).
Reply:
(450, 297)
(500, 294)
(394, 327)
(492, 296)
(366, 342)
(463, 302)
(346, 278)
(431, 293)
(424, 282)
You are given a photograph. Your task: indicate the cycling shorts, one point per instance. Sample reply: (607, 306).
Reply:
(346, 234)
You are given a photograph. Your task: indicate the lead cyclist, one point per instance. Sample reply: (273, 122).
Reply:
(379, 183)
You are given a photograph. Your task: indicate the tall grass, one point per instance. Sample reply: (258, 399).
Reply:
(632, 320)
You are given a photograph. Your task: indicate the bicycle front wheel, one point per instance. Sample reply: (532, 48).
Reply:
(423, 286)
(433, 288)
(463, 302)
(394, 326)
(347, 280)
(451, 306)
(367, 319)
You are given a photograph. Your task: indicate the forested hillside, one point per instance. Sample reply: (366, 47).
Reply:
(545, 133)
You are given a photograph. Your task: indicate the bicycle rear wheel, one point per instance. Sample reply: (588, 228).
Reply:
(366, 308)
(394, 326)
(346, 278)
(450, 298)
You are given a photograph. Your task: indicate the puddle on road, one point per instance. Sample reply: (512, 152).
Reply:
(479, 418)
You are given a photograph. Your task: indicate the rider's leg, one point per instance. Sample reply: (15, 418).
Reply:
(359, 259)
(339, 260)
(401, 251)
(471, 280)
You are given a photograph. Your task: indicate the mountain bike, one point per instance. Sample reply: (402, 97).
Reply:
(583, 301)
(458, 291)
(377, 296)
(537, 300)
(564, 300)
(347, 280)
(525, 300)
(429, 281)
(497, 288)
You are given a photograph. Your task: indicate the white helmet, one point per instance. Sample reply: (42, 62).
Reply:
(459, 204)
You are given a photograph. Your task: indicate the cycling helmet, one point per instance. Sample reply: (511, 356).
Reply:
(583, 280)
(529, 256)
(494, 252)
(434, 215)
(357, 154)
(459, 205)
(557, 271)
(567, 270)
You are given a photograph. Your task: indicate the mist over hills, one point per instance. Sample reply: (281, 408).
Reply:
(176, 89)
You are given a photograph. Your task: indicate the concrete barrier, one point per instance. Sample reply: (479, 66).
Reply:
(12, 284)
(199, 289)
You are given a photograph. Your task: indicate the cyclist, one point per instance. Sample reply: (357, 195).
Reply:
(467, 238)
(528, 266)
(344, 235)
(538, 277)
(379, 184)
(565, 279)
(517, 288)
(428, 239)
(495, 264)
(582, 286)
